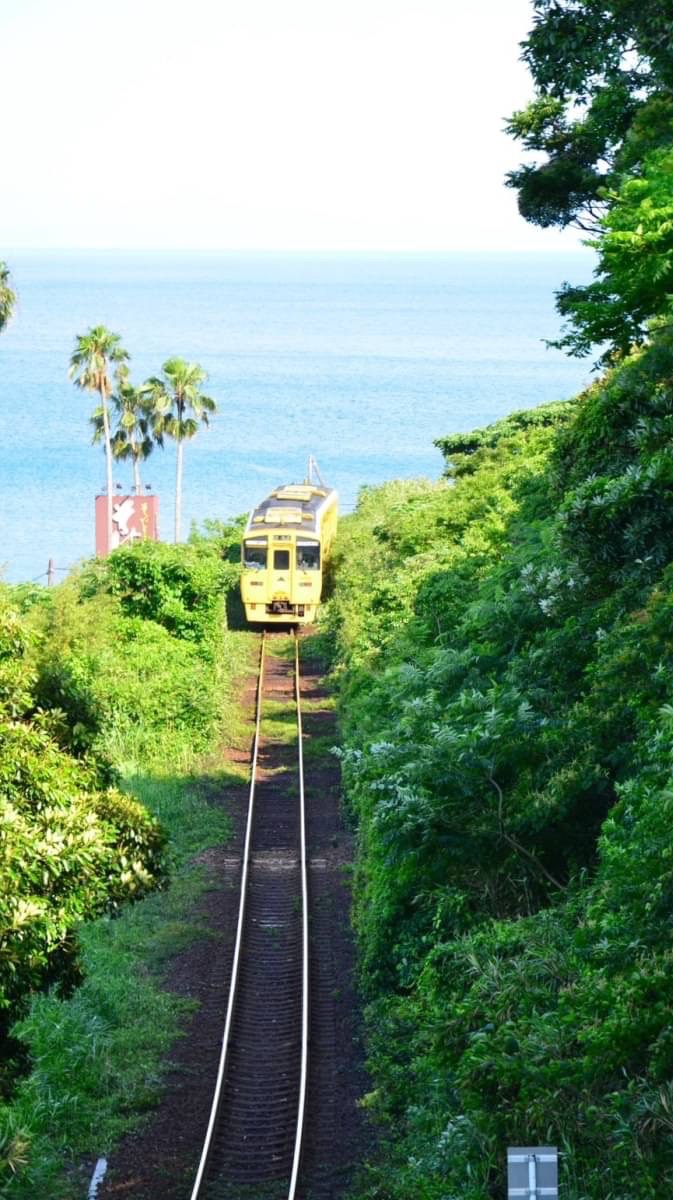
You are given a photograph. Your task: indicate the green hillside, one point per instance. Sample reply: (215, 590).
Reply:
(504, 647)
(504, 643)
(115, 692)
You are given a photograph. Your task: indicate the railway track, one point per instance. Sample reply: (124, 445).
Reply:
(253, 1143)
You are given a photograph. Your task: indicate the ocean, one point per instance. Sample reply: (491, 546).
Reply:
(360, 360)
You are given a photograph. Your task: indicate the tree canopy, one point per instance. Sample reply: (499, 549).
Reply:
(179, 407)
(96, 353)
(600, 130)
(133, 437)
(7, 295)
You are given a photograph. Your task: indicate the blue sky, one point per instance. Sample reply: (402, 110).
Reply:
(303, 125)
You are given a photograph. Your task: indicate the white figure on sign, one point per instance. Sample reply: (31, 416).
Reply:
(121, 515)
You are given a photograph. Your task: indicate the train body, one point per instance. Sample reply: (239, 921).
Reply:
(286, 545)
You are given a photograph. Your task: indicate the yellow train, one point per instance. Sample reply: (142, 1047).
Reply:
(286, 545)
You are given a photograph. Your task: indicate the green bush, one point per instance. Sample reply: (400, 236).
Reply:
(178, 587)
(132, 650)
(67, 852)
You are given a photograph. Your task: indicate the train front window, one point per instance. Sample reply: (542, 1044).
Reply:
(254, 554)
(281, 560)
(308, 556)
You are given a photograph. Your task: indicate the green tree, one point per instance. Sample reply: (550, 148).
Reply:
(603, 72)
(133, 437)
(7, 295)
(602, 120)
(179, 407)
(632, 296)
(96, 353)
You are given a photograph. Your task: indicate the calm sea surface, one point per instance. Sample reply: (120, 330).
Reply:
(359, 360)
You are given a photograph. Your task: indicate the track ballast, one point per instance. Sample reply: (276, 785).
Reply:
(254, 1137)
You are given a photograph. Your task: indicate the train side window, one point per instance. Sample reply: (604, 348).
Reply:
(281, 560)
(308, 556)
(254, 556)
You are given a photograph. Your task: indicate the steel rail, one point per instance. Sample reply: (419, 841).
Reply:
(217, 1095)
(304, 932)
(221, 1073)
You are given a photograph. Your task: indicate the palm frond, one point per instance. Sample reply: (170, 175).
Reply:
(7, 295)
(176, 404)
(92, 357)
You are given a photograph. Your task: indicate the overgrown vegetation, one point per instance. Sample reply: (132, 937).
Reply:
(506, 659)
(113, 687)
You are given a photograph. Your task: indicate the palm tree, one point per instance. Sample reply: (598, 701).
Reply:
(94, 354)
(133, 437)
(179, 406)
(7, 296)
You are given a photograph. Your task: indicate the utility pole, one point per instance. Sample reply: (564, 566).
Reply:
(51, 571)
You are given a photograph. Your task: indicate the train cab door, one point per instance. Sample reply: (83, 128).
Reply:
(308, 581)
(281, 568)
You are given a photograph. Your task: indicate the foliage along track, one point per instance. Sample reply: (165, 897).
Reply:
(160, 1159)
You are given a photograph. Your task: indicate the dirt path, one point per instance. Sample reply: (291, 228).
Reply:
(159, 1161)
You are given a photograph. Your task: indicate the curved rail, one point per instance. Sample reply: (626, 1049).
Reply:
(198, 1189)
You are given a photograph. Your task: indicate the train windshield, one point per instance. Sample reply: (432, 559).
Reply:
(308, 555)
(254, 554)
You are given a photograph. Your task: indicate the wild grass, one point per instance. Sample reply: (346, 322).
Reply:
(99, 1055)
(321, 704)
(317, 747)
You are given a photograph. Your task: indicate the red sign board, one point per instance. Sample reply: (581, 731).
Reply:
(134, 519)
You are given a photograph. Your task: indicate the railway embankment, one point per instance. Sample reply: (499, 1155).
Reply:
(253, 1137)
(137, 680)
(118, 693)
(503, 648)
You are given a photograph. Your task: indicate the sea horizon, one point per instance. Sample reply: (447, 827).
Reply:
(361, 358)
